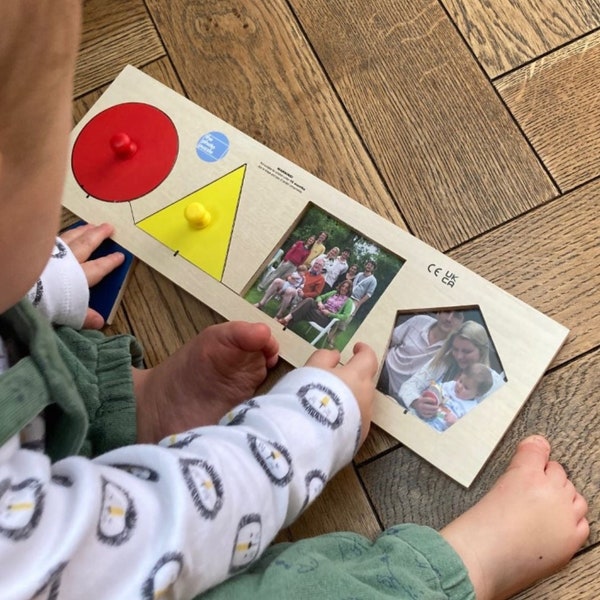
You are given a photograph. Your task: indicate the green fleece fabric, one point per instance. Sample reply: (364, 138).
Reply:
(406, 562)
(81, 379)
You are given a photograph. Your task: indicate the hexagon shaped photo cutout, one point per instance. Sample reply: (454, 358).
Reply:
(441, 364)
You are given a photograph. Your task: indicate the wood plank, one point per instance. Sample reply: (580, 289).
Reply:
(505, 34)
(154, 304)
(446, 146)
(163, 317)
(550, 259)
(555, 101)
(564, 409)
(114, 34)
(377, 442)
(517, 330)
(159, 319)
(250, 65)
(520, 258)
(579, 580)
(161, 69)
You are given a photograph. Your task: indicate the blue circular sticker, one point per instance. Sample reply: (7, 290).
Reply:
(212, 146)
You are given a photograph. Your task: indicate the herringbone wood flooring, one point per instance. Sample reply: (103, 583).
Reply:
(476, 126)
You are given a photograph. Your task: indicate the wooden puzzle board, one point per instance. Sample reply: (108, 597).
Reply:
(257, 198)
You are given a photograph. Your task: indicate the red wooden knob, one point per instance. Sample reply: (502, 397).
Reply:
(122, 145)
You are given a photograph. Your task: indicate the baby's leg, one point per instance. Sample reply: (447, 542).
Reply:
(525, 528)
(218, 369)
(332, 335)
(273, 289)
(286, 300)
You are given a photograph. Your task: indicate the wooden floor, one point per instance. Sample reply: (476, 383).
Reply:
(474, 125)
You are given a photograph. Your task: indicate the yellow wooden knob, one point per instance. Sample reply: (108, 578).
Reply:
(197, 216)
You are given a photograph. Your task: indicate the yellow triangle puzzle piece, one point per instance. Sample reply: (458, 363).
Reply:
(205, 247)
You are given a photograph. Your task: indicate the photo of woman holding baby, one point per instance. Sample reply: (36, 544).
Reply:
(467, 346)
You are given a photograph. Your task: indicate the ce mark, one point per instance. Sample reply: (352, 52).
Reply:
(434, 270)
(448, 278)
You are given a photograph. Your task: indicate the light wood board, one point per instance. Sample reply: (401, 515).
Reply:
(274, 195)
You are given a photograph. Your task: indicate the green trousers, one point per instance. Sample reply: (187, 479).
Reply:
(405, 562)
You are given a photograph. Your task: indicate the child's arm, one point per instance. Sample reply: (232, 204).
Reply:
(324, 297)
(194, 510)
(62, 292)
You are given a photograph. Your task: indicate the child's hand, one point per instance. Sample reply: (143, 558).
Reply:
(358, 374)
(450, 418)
(83, 241)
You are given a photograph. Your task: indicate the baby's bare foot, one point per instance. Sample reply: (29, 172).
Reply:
(525, 528)
(221, 367)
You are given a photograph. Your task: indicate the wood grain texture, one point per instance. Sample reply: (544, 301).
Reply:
(114, 34)
(561, 121)
(255, 66)
(161, 70)
(550, 259)
(445, 144)
(505, 34)
(403, 488)
(175, 317)
(248, 63)
(579, 581)
(377, 442)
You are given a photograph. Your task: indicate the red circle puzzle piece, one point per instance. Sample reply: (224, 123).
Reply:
(125, 152)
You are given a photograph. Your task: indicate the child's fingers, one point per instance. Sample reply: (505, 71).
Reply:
(364, 360)
(88, 240)
(96, 270)
(425, 407)
(271, 352)
(324, 359)
(68, 236)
